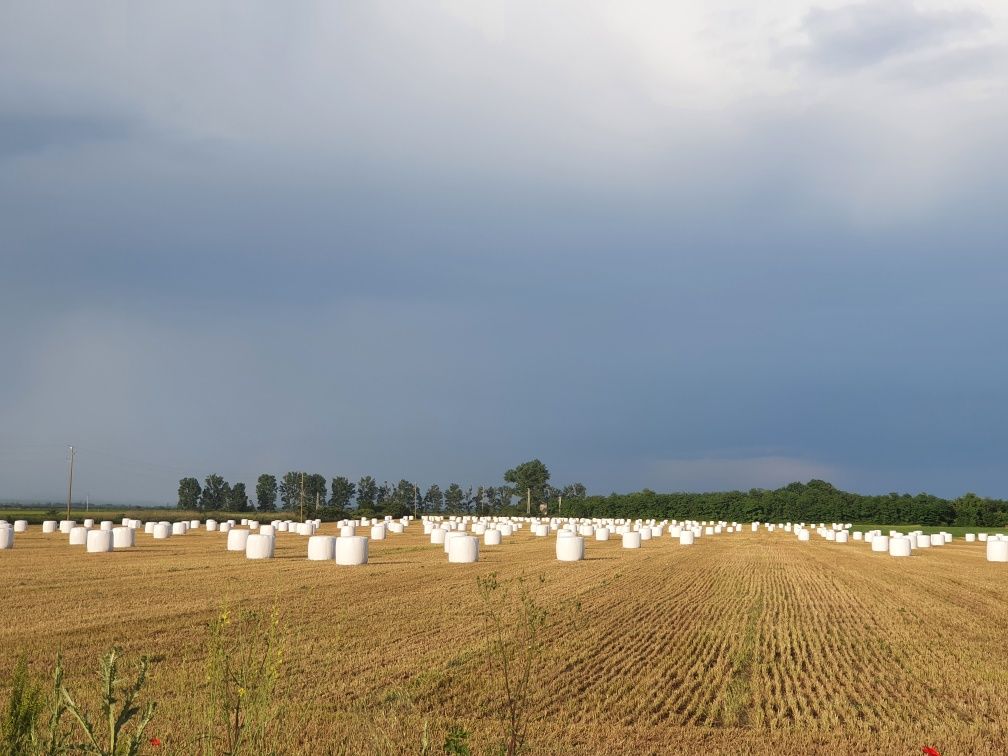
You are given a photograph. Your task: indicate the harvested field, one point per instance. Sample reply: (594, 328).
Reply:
(747, 642)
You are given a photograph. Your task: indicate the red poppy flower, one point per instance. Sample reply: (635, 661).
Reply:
(157, 741)
(929, 751)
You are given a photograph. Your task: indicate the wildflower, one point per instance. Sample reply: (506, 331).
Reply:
(155, 742)
(929, 751)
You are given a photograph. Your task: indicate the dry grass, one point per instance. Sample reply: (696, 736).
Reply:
(742, 643)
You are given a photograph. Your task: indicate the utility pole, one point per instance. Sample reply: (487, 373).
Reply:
(559, 504)
(528, 501)
(302, 497)
(316, 502)
(414, 501)
(70, 482)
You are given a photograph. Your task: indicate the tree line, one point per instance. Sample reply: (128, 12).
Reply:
(527, 488)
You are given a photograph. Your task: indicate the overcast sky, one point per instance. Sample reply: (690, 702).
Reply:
(680, 245)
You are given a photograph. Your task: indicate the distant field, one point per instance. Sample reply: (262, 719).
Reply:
(748, 643)
(36, 515)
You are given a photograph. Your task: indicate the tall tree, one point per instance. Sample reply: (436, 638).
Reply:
(433, 499)
(341, 491)
(530, 476)
(453, 498)
(266, 492)
(189, 493)
(366, 491)
(290, 490)
(238, 499)
(574, 491)
(215, 493)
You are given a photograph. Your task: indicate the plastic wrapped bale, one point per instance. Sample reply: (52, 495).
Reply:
(194, 524)
(450, 536)
(78, 535)
(211, 526)
(923, 541)
(947, 537)
(66, 525)
(708, 530)
(123, 538)
(321, 548)
(602, 534)
(674, 531)
(857, 535)
(351, 550)
(225, 527)
(244, 521)
(982, 537)
(541, 530)
(378, 532)
(492, 537)
(631, 539)
(971, 538)
(586, 531)
(50, 526)
(880, 543)
(237, 538)
(644, 533)
(20, 526)
(89, 523)
(267, 530)
(6, 537)
(396, 527)
(506, 529)
(161, 530)
(899, 546)
(997, 550)
(842, 536)
(258, 546)
(687, 538)
(99, 541)
(437, 536)
(937, 539)
(570, 549)
(179, 528)
(282, 527)
(803, 535)
(463, 549)
(348, 531)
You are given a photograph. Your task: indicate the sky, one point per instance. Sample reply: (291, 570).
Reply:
(685, 246)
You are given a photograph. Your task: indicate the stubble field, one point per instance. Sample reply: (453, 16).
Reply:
(750, 642)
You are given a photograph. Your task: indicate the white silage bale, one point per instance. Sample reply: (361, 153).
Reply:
(225, 527)
(997, 550)
(20, 526)
(244, 521)
(194, 524)
(842, 536)
(880, 543)
(66, 525)
(645, 533)
(348, 531)
(428, 526)
(899, 546)
(687, 538)
(179, 528)
(463, 549)
(708, 530)
(437, 536)
(78, 535)
(632, 539)
(258, 546)
(105, 525)
(162, 530)
(541, 530)
(857, 535)
(586, 531)
(99, 541)
(321, 548)
(237, 538)
(923, 541)
(6, 537)
(674, 531)
(947, 537)
(50, 526)
(283, 527)
(803, 535)
(970, 538)
(88, 523)
(570, 549)
(211, 526)
(351, 550)
(937, 539)
(149, 527)
(506, 529)
(378, 532)
(602, 534)
(492, 537)
(451, 535)
(397, 527)
(123, 538)
(267, 530)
